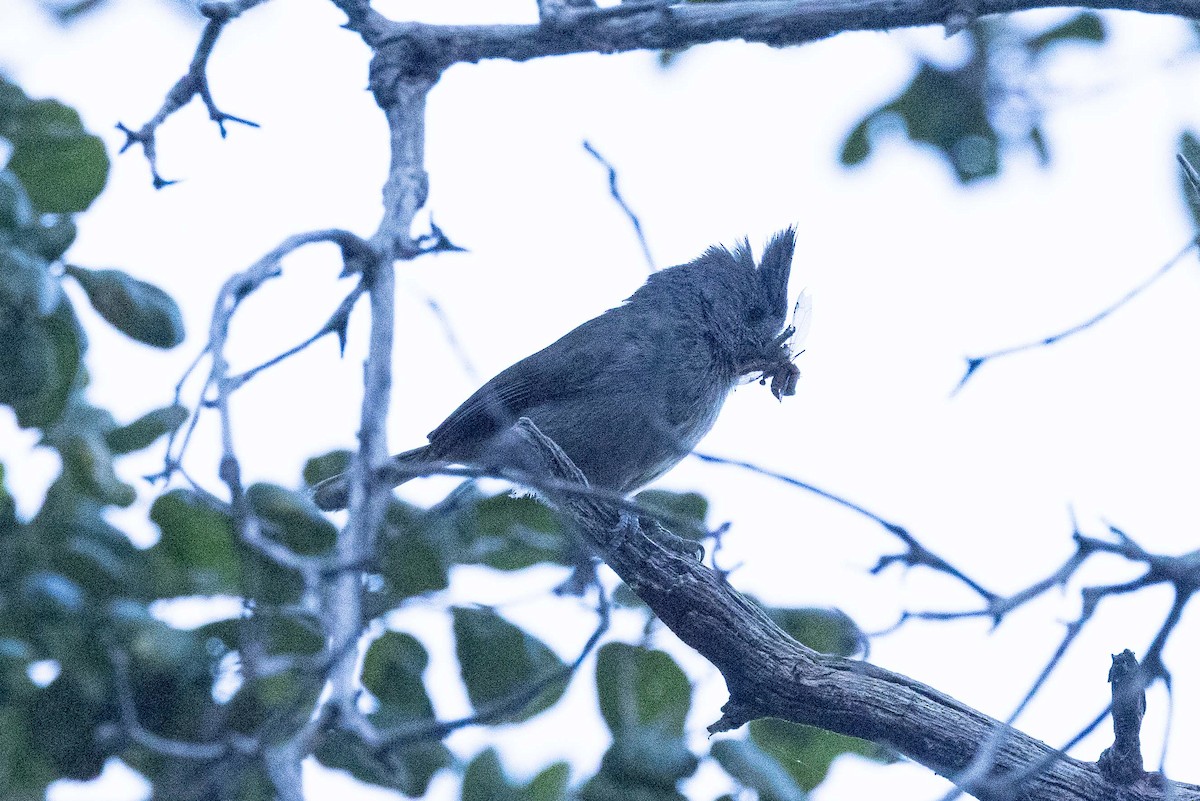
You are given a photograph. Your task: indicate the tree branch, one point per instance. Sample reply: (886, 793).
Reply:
(770, 674)
(661, 26)
(193, 83)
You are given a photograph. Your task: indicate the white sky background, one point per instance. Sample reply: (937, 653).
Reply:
(909, 273)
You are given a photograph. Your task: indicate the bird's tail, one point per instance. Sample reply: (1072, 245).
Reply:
(334, 493)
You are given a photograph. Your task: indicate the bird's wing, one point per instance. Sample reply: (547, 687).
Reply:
(556, 372)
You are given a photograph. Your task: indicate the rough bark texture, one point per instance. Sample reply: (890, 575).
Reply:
(769, 674)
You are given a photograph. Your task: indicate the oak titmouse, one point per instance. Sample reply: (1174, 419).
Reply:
(628, 394)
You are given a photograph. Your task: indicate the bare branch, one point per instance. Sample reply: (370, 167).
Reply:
(770, 674)
(916, 553)
(616, 195)
(975, 362)
(194, 83)
(666, 26)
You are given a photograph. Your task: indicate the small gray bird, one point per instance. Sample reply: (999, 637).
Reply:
(628, 394)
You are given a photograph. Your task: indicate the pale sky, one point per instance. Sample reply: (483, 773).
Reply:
(909, 274)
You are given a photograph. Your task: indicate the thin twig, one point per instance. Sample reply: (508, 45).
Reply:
(975, 362)
(616, 195)
(917, 554)
(194, 83)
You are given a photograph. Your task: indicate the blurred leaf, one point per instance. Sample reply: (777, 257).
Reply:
(641, 688)
(807, 752)
(137, 309)
(8, 506)
(278, 632)
(24, 769)
(89, 462)
(328, 465)
(51, 237)
(142, 432)
(498, 660)
(69, 11)
(61, 165)
(16, 209)
(549, 785)
(26, 285)
(757, 770)
(830, 631)
(1189, 148)
(1086, 27)
(689, 506)
(199, 540)
(51, 596)
(510, 533)
(407, 768)
(295, 520)
(484, 779)
(62, 724)
(394, 672)
(944, 108)
(39, 365)
(273, 706)
(641, 764)
(413, 560)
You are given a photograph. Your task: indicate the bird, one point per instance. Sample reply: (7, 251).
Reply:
(628, 394)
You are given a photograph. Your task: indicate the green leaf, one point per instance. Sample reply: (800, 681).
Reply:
(328, 465)
(549, 785)
(643, 764)
(62, 166)
(89, 463)
(757, 770)
(408, 768)
(830, 631)
(640, 688)
(394, 670)
(16, 209)
(63, 720)
(1086, 27)
(39, 366)
(53, 234)
(484, 779)
(137, 309)
(498, 660)
(142, 432)
(26, 285)
(25, 770)
(413, 547)
(857, 146)
(287, 632)
(294, 519)
(198, 539)
(806, 752)
(688, 506)
(943, 108)
(510, 533)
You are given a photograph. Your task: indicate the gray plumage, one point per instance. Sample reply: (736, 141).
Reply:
(628, 394)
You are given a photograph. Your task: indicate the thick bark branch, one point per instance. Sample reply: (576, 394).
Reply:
(658, 26)
(771, 675)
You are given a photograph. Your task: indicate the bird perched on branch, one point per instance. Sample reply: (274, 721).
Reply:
(628, 394)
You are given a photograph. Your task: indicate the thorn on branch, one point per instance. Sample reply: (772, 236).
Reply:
(436, 241)
(193, 83)
(1121, 763)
